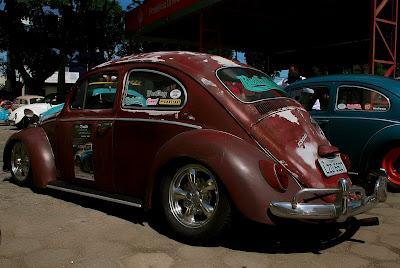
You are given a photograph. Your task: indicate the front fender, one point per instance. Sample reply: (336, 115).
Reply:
(234, 161)
(377, 143)
(40, 154)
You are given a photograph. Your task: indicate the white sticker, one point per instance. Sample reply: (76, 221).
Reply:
(341, 106)
(176, 93)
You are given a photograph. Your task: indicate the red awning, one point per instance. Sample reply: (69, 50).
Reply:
(159, 11)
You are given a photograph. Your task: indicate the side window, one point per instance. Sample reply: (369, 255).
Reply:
(352, 98)
(24, 102)
(96, 92)
(153, 90)
(312, 98)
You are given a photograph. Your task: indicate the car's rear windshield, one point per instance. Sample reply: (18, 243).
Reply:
(249, 85)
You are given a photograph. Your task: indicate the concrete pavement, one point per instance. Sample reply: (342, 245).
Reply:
(53, 229)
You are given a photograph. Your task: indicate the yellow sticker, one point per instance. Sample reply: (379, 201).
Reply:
(169, 102)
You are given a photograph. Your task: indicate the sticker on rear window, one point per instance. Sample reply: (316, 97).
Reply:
(256, 83)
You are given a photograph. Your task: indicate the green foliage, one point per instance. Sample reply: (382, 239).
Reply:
(41, 35)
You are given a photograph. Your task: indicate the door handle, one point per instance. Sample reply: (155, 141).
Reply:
(103, 127)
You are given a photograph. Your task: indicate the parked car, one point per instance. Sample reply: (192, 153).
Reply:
(213, 137)
(28, 114)
(360, 115)
(51, 113)
(4, 113)
(26, 100)
(6, 104)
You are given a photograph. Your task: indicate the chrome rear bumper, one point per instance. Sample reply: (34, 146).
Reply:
(343, 208)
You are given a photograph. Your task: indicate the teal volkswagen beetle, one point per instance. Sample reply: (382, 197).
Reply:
(360, 114)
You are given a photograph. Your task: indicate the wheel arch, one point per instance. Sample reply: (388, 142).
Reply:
(233, 160)
(40, 154)
(377, 145)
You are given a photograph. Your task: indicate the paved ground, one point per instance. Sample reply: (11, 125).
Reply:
(53, 229)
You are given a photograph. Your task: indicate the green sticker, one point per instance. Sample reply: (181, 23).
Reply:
(256, 83)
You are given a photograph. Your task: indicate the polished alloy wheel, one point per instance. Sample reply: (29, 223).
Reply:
(193, 196)
(20, 163)
(391, 162)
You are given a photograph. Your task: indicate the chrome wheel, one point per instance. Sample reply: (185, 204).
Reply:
(193, 196)
(20, 163)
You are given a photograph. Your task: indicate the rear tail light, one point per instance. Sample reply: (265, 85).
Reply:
(275, 174)
(346, 161)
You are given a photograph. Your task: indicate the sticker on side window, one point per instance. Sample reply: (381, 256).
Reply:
(82, 149)
(170, 102)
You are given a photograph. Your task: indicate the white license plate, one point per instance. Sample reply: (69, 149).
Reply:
(332, 166)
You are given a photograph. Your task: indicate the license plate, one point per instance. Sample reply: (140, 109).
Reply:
(332, 166)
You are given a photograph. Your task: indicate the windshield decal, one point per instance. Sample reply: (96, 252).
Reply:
(256, 83)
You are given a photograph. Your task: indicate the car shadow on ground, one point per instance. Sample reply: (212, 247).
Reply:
(244, 235)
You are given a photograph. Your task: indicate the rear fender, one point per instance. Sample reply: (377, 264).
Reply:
(234, 161)
(377, 144)
(40, 153)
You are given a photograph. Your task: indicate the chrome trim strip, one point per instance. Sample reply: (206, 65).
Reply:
(124, 202)
(159, 121)
(354, 117)
(132, 120)
(352, 173)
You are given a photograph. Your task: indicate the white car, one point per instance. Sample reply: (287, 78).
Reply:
(26, 100)
(27, 114)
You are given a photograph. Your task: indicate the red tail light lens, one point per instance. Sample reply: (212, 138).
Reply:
(346, 161)
(274, 174)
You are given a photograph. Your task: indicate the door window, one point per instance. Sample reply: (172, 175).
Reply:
(96, 92)
(353, 98)
(313, 98)
(147, 89)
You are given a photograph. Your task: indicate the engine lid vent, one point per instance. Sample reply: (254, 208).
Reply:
(275, 104)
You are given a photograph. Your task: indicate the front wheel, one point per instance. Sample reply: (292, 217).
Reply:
(20, 164)
(195, 205)
(24, 123)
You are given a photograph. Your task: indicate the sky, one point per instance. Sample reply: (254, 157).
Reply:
(124, 3)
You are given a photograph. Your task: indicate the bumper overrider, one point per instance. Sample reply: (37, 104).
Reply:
(343, 208)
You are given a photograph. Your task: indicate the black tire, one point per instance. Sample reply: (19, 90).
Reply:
(21, 172)
(204, 228)
(24, 123)
(34, 120)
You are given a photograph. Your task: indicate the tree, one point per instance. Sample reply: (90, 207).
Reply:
(42, 36)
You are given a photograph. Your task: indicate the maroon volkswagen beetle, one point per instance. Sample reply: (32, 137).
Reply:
(196, 136)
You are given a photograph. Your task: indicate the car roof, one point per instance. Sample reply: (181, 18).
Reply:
(384, 82)
(26, 97)
(194, 62)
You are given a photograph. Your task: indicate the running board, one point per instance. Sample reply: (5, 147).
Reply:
(115, 198)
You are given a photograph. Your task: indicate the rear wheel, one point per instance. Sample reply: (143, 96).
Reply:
(195, 205)
(20, 164)
(391, 163)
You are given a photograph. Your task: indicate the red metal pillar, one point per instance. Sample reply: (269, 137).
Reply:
(384, 35)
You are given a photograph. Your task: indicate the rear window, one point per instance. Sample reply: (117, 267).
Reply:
(249, 85)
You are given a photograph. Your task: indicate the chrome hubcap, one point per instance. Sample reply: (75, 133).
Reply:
(20, 162)
(193, 196)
